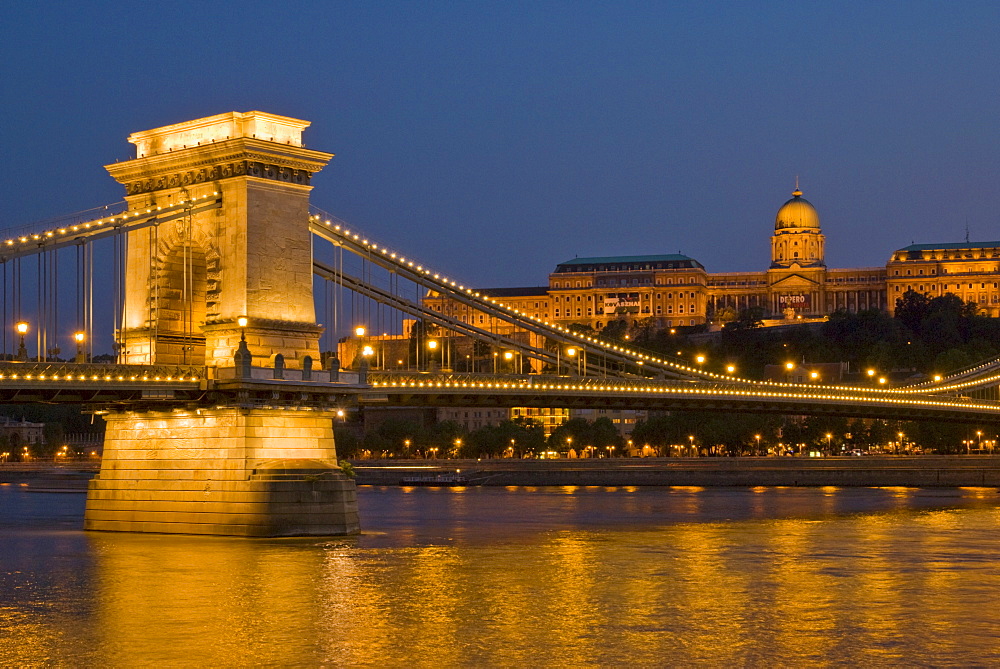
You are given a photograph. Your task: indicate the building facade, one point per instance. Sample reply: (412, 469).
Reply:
(676, 290)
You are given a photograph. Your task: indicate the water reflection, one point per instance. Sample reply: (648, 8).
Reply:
(572, 576)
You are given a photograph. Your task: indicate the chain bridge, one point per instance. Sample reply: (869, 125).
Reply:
(223, 296)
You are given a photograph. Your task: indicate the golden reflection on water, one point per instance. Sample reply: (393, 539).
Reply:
(891, 587)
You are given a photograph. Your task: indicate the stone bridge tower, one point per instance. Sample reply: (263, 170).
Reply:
(243, 248)
(189, 279)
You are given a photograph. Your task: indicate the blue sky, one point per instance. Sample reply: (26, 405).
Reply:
(493, 141)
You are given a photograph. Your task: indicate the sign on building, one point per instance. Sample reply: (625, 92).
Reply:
(621, 303)
(797, 302)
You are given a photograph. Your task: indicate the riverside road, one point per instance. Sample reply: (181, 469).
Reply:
(912, 471)
(868, 471)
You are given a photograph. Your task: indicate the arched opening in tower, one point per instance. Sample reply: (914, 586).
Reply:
(180, 306)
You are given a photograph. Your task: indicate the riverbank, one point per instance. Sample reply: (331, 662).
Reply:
(916, 471)
(926, 471)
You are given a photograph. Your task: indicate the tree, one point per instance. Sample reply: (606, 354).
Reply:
(911, 309)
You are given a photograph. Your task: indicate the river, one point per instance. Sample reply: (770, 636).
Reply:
(518, 577)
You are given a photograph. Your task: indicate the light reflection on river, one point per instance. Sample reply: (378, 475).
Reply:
(522, 577)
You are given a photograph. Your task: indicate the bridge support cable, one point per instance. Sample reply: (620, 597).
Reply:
(399, 303)
(448, 289)
(45, 239)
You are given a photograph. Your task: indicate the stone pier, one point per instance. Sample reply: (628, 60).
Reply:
(256, 472)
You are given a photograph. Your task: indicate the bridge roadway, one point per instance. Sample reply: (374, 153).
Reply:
(135, 386)
(480, 390)
(869, 471)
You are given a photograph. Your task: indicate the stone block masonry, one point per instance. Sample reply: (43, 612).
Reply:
(258, 472)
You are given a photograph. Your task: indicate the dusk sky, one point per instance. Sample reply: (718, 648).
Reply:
(493, 141)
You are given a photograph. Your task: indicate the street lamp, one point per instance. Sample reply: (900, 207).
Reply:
(691, 440)
(730, 369)
(432, 347)
(899, 443)
(79, 337)
(571, 353)
(828, 438)
(22, 329)
(757, 437)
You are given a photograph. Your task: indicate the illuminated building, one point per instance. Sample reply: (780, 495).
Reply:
(675, 290)
(970, 270)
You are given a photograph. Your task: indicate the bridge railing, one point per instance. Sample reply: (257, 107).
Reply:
(74, 371)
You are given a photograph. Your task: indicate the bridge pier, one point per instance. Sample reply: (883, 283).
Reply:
(223, 471)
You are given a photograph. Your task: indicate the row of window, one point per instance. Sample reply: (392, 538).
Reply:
(946, 286)
(643, 281)
(568, 313)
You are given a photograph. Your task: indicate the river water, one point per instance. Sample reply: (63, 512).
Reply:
(522, 577)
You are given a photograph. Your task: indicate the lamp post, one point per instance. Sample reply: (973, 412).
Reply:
(79, 338)
(571, 353)
(757, 437)
(691, 441)
(899, 443)
(979, 433)
(22, 329)
(432, 346)
(829, 436)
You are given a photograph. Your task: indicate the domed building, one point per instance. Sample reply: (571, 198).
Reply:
(673, 290)
(797, 238)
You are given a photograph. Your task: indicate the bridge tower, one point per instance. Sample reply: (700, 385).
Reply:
(243, 250)
(188, 280)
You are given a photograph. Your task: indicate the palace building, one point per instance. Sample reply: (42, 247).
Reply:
(675, 290)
